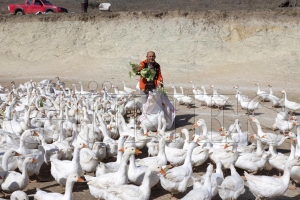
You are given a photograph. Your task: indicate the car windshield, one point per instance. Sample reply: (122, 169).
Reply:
(47, 2)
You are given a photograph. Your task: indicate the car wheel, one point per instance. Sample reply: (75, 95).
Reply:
(49, 12)
(19, 12)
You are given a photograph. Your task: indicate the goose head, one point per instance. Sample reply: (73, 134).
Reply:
(157, 168)
(75, 178)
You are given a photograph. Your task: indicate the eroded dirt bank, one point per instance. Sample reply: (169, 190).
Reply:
(209, 47)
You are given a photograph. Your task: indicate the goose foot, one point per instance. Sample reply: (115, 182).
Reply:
(5, 194)
(172, 197)
(256, 172)
(292, 187)
(244, 178)
(170, 166)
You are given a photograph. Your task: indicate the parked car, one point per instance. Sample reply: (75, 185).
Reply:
(35, 7)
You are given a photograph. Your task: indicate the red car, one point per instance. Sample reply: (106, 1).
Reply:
(35, 7)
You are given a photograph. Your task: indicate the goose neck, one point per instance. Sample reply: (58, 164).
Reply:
(132, 164)
(69, 189)
(286, 174)
(146, 187)
(259, 149)
(5, 162)
(122, 171)
(204, 129)
(188, 158)
(76, 158)
(162, 144)
(293, 151)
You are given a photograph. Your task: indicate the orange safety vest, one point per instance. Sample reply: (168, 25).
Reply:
(158, 79)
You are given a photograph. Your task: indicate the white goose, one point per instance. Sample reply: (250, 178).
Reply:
(201, 191)
(136, 173)
(252, 162)
(15, 181)
(185, 99)
(88, 160)
(72, 178)
(261, 93)
(275, 139)
(127, 89)
(212, 135)
(133, 192)
(160, 159)
(109, 167)
(272, 98)
(250, 106)
(232, 186)
(18, 195)
(268, 186)
(207, 99)
(175, 155)
(195, 90)
(283, 125)
(176, 95)
(279, 160)
(291, 105)
(97, 185)
(5, 163)
(61, 169)
(176, 179)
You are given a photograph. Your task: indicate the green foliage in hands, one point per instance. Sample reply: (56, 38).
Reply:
(148, 74)
(135, 67)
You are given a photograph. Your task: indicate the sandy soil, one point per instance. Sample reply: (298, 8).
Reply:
(223, 48)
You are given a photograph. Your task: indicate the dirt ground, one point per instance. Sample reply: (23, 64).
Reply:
(209, 42)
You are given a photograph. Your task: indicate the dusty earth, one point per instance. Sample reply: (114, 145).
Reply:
(209, 42)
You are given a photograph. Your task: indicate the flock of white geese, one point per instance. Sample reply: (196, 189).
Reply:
(76, 131)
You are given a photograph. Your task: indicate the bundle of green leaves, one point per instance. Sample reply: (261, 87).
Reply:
(148, 74)
(134, 68)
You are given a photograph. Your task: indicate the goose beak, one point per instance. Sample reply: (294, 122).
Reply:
(162, 171)
(220, 129)
(222, 134)
(293, 141)
(252, 136)
(146, 134)
(198, 140)
(262, 136)
(17, 154)
(193, 137)
(35, 134)
(171, 138)
(122, 149)
(137, 152)
(34, 161)
(194, 126)
(85, 146)
(80, 180)
(226, 146)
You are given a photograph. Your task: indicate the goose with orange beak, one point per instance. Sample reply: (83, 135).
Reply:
(72, 178)
(61, 169)
(16, 181)
(98, 184)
